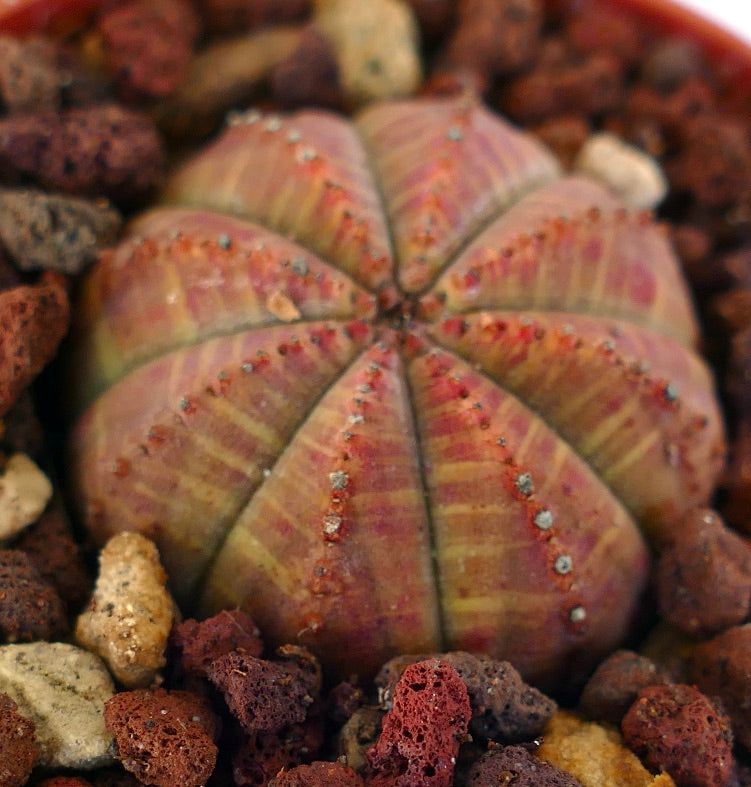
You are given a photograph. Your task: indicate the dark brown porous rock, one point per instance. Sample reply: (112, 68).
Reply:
(33, 321)
(722, 667)
(733, 308)
(342, 701)
(148, 46)
(23, 432)
(422, 733)
(64, 781)
(714, 164)
(98, 151)
(30, 607)
(495, 37)
(737, 482)
(572, 85)
(693, 245)
(504, 707)
(309, 75)
(594, 27)
(232, 16)
(704, 576)
(318, 774)
(263, 755)
(8, 274)
(164, 738)
(54, 232)
(670, 62)
(53, 551)
(615, 684)
(266, 696)
(517, 767)
(677, 729)
(29, 76)
(435, 17)
(199, 643)
(18, 751)
(116, 777)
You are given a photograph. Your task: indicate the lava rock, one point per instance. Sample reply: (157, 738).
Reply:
(164, 737)
(677, 729)
(421, 734)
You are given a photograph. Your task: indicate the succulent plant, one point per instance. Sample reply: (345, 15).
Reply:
(395, 384)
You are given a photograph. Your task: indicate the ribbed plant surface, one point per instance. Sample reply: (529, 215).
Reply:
(395, 384)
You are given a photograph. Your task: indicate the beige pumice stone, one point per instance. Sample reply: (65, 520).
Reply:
(130, 615)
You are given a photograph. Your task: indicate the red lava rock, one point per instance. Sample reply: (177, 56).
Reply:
(495, 36)
(266, 696)
(517, 767)
(310, 75)
(714, 165)
(199, 643)
(30, 608)
(504, 707)
(422, 732)
(102, 150)
(18, 750)
(738, 266)
(586, 86)
(595, 27)
(677, 729)
(733, 308)
(225, 16)
(318, 774)
(53, 551)
(29, 76)
(658, 122)
(704, 576)
(164, 737)
(64, 781)
(615, 684)
(722, 667)
(33, 321)
(148, 46)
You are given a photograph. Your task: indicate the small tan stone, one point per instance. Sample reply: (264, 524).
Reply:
(130, 615)
(594, 754)
(62, 689)
(630, 172)
(376, 46)
(24, 493)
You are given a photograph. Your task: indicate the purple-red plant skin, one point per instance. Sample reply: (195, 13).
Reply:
(455, 440)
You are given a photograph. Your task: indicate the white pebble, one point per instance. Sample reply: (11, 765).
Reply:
(24, 493)
(631, 173)
(62, 689)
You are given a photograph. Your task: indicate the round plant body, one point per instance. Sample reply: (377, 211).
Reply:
(395, 385)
